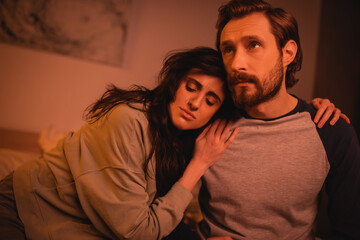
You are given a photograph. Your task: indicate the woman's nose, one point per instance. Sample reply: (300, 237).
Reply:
(194, 103)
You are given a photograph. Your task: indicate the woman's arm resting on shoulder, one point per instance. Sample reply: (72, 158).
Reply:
(324, 111)
(209, 146)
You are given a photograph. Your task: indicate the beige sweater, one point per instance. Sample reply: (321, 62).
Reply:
(93, 185)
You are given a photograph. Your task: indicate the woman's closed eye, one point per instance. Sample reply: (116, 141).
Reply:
(191, 86)
(210, 101)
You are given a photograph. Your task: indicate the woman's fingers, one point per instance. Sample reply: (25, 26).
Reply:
(225, 130)
(212, 129)
(336, 116)
(320, 105)
(214, 126)
(232, 137)
(336, 112)
(220, 128)
(326, 115)
(213, 141)
(204, 132)
(219, 131)
(344, 117)
(324, 111)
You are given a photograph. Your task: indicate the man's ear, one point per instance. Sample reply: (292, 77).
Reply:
(289, 52)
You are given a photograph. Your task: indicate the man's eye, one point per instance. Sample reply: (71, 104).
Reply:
(254, 45)
(227, 50)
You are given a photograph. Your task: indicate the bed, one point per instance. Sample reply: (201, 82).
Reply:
(17, 147)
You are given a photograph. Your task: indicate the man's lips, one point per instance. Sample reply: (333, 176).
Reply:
(242, 79)
(241, 83)
(187, 114)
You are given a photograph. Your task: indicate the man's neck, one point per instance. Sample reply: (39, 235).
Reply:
(277, 106)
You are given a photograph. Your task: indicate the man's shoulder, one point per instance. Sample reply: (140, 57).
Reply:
(339, 140)
(303, 106)
(339, 134)
(341, 126)
(333, 136)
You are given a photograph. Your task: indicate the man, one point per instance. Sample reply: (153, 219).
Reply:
(268, 182)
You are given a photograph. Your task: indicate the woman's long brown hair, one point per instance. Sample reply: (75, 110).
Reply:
(168, 142)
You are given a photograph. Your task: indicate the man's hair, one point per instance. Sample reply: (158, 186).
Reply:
(283, 26)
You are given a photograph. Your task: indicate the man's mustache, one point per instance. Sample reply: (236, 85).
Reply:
(242, 78)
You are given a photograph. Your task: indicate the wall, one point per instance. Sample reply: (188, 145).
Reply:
(338, 72)
(41, 88)
(307, 14)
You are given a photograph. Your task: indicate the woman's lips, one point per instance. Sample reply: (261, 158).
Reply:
(187, 114)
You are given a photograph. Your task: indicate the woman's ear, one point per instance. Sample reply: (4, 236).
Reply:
(289, 52)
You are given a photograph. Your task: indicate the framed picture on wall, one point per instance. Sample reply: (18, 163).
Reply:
(93, 30)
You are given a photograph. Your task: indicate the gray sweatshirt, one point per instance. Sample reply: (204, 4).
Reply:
(93, 185)
(267, 183)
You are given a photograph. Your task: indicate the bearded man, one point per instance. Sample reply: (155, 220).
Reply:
(268, 182)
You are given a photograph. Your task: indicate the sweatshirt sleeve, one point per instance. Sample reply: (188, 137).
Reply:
(343, 182)
(111, 183)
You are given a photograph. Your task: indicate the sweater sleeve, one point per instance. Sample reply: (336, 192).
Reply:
(343, 182)
(111, 183)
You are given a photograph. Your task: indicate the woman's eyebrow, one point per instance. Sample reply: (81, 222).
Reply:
(194, 81)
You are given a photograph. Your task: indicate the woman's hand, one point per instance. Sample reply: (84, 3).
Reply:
(324, 110)
(209, 146)
(212, 142)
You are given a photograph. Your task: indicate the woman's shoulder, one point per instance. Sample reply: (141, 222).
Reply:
(122, 117)
(121, 136)
(124, 113)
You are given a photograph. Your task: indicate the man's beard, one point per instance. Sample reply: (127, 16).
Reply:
(263, 91)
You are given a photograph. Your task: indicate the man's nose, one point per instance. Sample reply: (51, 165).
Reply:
(239, 62)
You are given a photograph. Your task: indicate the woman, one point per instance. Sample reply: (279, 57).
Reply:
(123, 175)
